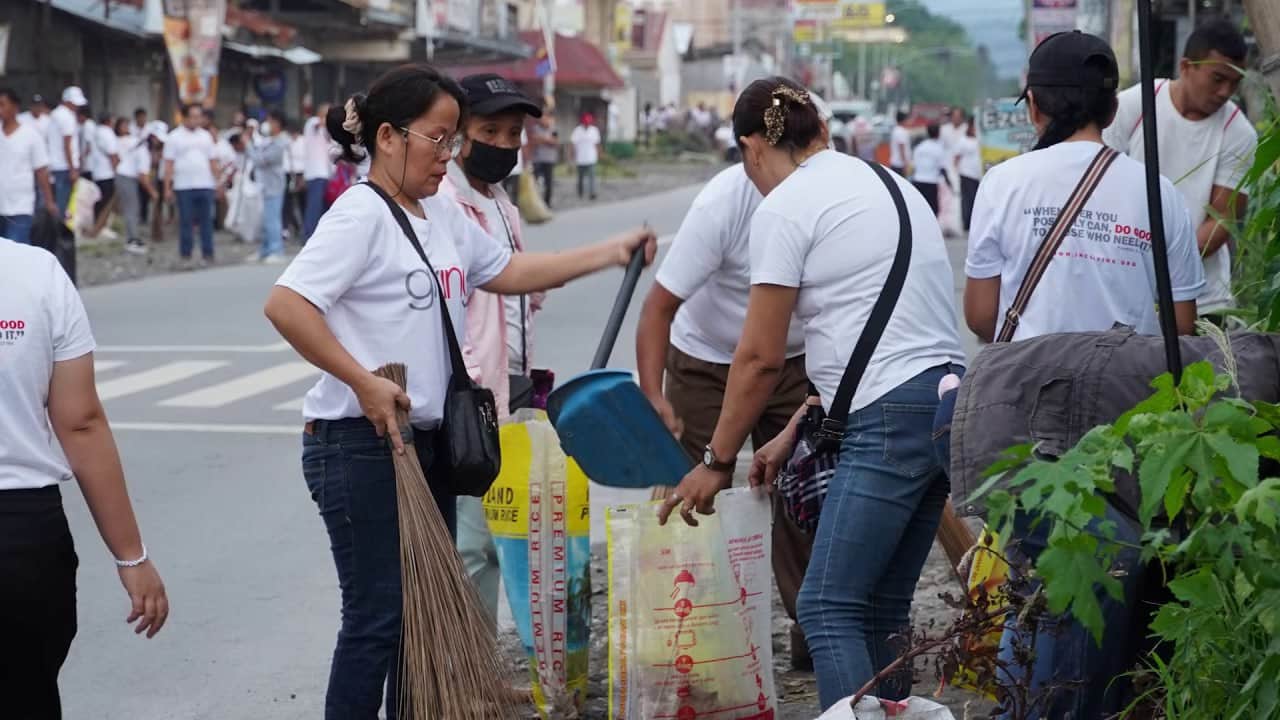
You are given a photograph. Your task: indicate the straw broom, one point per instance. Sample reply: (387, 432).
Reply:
(451, 667)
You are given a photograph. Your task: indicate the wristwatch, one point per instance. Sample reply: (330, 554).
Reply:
(709, 460)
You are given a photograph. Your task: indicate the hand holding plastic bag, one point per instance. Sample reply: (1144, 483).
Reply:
(690, 613)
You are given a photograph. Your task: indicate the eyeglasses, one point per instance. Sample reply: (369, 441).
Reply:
(446, 145)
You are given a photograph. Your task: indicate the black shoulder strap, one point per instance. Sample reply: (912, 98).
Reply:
(881, 312)
(455, 350)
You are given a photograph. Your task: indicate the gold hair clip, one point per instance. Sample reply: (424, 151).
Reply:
(775, 116)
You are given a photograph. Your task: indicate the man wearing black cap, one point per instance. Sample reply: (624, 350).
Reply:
(498, 327)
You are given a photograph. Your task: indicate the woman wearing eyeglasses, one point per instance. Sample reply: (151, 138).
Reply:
(358, 296)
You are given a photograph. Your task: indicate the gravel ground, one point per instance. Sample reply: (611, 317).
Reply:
(797, 691)
(102, 261)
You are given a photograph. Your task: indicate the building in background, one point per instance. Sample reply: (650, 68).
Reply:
(289, 54)
(584, 78)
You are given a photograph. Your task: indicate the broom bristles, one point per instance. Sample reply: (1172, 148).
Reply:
(451, 667)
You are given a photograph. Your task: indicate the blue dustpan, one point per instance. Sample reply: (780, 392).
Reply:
(607, 425)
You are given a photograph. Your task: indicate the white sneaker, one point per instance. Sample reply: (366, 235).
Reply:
(253, 258)
(274, 260)
(136, 247)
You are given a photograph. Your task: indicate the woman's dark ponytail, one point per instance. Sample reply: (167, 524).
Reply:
(353, 146)
(397, 98)
(1070, 109)
(780, 110)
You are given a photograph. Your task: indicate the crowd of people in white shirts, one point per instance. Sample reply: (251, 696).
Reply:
(146, 172)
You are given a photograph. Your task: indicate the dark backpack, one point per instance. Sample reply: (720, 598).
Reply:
(1053, 389)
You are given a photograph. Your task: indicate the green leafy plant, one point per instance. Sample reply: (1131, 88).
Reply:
(1256, 253)
(1210, 517)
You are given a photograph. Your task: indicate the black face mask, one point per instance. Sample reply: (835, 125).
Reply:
(490, 163)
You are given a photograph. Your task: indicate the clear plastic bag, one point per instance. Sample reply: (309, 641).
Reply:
(690, 612)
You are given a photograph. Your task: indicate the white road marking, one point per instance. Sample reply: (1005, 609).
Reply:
(256, 383)
(272, 348)
(101, 366)
(294, 405)
(231, 428)
(155, 377)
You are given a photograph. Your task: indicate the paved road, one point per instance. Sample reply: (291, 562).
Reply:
(204, 399)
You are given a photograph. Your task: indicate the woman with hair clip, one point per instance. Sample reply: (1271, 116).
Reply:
(1102, 274)
(359, 296)
(822, 244)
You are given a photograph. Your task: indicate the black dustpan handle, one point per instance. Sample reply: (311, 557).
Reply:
(620, 304)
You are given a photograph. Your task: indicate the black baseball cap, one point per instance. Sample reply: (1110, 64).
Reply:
(1063, 60)
(490, 94)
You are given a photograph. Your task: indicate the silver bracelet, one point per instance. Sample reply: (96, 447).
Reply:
(134, 563)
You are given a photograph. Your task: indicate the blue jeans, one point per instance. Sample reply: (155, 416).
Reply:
(587, 180)
(352, 479)
(315, 207)
(16, 227)
(61, 189)
(195, 207)
(877, 525)
(1090, 679)
(272, 225)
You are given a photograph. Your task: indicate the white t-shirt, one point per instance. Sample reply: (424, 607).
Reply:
(135, 157)
(724, 136)
(831, 230)
(297, 158)
(585, 145)
(62, 124)
(88, 138)
(708, 266)
(970, 164)
(318, 165)
(930, 158)
(1196, 155)
(105, 144)
(950, 135)
(516, 332)
(21, 154)
(42, 321)
(191, 152)
(378, 297)
(1104, 273)
(899, 147)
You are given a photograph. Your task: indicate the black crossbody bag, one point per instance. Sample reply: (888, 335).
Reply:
(467, 442)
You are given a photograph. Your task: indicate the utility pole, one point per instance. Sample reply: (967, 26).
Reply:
(735, 24)
(862, 70)
(1264, 18)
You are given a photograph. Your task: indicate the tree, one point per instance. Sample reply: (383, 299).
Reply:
(1264, 16)
(939, 63)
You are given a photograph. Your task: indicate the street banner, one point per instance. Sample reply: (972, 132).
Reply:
(1004, 130)
(826, 10)
(1051, 16)
(193, 38)
(859, 15)
(805, 31)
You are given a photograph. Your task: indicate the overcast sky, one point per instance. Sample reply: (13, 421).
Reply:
(993, 23)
